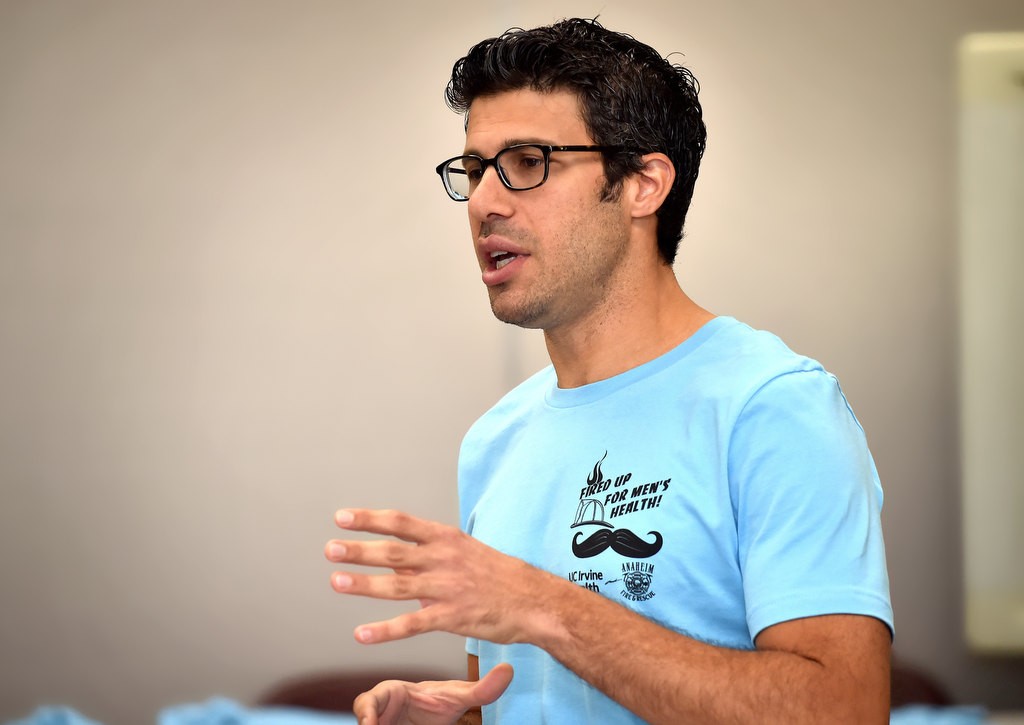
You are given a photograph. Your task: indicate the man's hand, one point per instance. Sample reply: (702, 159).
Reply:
(429, 703)
(463, 586)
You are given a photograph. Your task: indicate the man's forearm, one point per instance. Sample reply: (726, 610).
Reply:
(825, 669)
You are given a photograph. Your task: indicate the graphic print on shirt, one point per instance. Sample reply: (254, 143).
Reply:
(602, 499)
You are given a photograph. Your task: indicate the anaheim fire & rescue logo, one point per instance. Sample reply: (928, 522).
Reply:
(637, 577)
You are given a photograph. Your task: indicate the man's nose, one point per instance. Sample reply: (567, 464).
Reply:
(490, 196)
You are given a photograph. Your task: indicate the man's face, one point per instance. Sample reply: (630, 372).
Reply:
(565, 245)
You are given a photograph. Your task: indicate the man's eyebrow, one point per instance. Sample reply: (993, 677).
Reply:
(514, 142)
(535, 139)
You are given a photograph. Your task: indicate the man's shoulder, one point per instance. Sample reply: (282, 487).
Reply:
(737, 350)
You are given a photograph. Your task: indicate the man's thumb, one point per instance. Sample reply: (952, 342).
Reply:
(492, 685)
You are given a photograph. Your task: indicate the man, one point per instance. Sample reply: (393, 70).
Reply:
(679, 520)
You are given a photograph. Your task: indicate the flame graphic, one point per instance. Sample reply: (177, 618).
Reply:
(596, 476)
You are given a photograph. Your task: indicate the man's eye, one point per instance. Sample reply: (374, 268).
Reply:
(531, 162)
(473, 169)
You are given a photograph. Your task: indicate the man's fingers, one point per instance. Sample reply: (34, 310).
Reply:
(368, 706)
(396, 587)
(492, 685)
(403, 626)
(390, 554)
(388, 522)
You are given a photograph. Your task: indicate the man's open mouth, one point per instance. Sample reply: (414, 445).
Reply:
(500, 259)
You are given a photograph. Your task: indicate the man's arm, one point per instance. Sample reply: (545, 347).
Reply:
(831, 668)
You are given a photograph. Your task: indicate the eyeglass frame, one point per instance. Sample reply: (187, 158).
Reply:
(545, 149)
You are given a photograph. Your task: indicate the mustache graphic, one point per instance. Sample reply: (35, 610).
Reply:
(621, 541)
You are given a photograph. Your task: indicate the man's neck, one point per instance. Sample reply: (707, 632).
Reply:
(625, 333)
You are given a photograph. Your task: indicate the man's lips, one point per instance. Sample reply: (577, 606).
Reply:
(499, 259)
(504, 269)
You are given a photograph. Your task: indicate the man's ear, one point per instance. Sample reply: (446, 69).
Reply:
(651, 185)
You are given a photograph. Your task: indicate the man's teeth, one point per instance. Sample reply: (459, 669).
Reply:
(502, 258)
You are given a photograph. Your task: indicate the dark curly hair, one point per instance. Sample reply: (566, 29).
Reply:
(629, 95)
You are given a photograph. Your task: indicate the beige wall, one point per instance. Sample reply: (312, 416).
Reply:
(233, 297)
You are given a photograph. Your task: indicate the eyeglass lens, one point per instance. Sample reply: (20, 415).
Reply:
(521, 167)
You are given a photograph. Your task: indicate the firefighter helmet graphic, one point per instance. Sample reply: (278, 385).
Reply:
(590, 512)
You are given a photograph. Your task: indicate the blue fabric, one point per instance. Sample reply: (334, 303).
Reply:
(932, 715)
(216, 711)
(51, 715)
(221, 711)
(741, 460)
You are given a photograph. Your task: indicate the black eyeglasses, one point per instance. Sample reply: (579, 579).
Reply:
(520, 167)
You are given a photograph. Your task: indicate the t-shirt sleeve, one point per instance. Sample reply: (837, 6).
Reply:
(807, 500)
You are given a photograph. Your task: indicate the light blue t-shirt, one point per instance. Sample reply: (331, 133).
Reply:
(719, 489)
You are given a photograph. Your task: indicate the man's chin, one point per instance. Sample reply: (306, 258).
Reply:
(519, 315)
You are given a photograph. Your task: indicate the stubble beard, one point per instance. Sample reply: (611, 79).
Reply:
(526, 314)
(577, 276)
